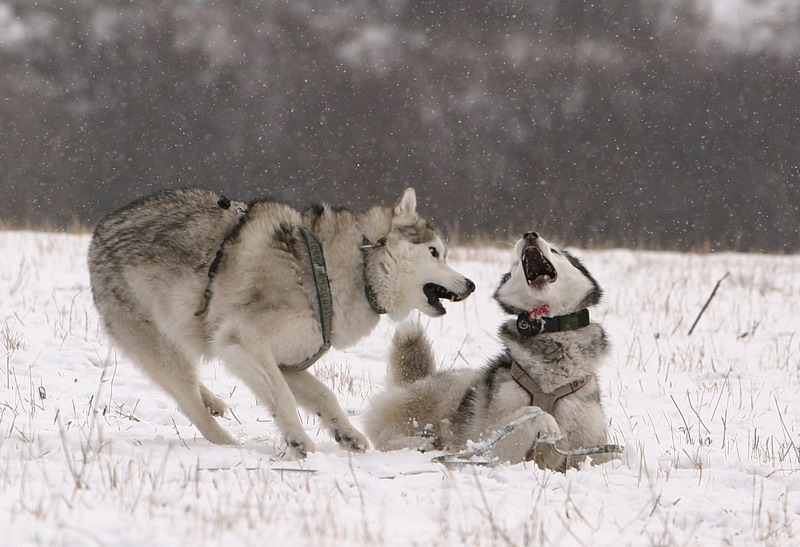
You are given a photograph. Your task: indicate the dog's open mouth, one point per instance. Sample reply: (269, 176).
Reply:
(435, 292)
(538, 270)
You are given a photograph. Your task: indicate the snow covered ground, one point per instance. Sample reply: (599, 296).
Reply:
(92, 454)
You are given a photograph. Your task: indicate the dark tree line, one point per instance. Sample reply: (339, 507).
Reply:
(617, 123)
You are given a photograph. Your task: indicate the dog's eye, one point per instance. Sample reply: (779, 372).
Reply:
(554, 251)
(434, 252)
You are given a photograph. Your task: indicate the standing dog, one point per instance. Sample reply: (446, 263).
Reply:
(552, 352)
(184, 275)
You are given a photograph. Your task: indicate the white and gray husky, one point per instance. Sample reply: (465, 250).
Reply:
(185, 275)
(552, 352)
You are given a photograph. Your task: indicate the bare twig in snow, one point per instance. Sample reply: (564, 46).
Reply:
(699, 315)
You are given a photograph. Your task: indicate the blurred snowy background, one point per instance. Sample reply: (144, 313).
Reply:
(656, 123)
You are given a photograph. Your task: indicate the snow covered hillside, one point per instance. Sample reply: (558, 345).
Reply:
(92, 454)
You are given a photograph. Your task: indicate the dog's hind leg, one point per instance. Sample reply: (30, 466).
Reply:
(194, 400)
(165, 365)
(317, 399)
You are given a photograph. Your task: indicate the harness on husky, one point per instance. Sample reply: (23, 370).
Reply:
(544, 399)
(529, 323)
(321, 282)
(224, 203)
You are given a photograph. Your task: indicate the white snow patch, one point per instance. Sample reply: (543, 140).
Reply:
(91, 453)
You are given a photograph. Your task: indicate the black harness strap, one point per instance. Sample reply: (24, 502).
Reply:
(224, 203)
(324, 299)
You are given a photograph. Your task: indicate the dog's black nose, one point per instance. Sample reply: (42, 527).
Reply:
(531, 235)
(470, 286)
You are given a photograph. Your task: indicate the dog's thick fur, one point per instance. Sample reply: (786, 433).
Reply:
(149, 264)
(425, 409)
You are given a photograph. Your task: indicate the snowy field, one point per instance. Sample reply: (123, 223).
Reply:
(93, 454)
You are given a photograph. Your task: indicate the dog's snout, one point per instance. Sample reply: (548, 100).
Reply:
(531, 235)
(470, 285)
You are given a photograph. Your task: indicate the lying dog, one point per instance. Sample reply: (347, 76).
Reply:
(552, 353)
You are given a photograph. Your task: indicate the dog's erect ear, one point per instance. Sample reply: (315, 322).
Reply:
(405, 212)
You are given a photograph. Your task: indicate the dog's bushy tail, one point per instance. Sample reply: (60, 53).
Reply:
(411, 357)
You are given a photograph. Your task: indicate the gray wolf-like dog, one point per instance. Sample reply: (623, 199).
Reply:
(550, 361)
(186, 275)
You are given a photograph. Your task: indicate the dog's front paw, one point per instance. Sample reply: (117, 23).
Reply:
(215, 406)
(547, 430)
(300, 445)
(350, 439)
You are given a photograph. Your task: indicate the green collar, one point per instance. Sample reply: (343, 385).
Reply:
(372, 298)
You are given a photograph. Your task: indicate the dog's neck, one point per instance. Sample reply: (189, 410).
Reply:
(340, 233)
(375, 223)
(366, 247)
(555, 358)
